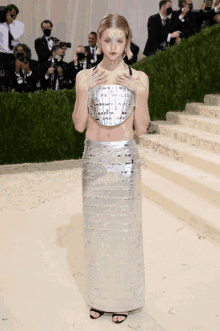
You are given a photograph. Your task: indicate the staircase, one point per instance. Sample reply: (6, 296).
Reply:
(181, 165)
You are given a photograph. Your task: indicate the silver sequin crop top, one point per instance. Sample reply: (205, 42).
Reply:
(111, 105)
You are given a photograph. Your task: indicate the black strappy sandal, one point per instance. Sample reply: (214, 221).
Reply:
(96, 311)
(125, 315)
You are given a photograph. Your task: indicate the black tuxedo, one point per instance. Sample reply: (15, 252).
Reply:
(42, 49)
(89, 56)
(51, 83)
(135, 50)
(73, 70)
(158, 33)
(193, 21)
(31, 81)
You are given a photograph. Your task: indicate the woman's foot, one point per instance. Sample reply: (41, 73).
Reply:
(117, 318)
(95, 313)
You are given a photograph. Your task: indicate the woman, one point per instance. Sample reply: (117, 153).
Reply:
(111, 173)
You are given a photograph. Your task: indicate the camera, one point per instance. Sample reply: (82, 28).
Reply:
(22, 57)
(62, 43)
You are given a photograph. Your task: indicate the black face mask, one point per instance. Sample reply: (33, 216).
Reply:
(81, 56)
(169, 10)
(58, 58)
(47, 32)
(208, 8)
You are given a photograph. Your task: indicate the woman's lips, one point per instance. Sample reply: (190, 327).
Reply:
(112, 53)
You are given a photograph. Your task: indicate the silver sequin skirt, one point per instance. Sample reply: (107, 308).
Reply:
(112, 227)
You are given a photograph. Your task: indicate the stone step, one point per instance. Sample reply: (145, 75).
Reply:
(182, 152)
(212, 99)
(196, 211)
(199, 182)
(204, 140)
(202, 123)
(211, 111)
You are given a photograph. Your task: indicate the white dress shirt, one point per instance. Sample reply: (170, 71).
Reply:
(49, 42)
(91, 51)
(84, 64)
(20, 79)
(16, 29)
(165, 18)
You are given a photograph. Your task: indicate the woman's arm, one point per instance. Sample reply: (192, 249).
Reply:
(141, 114)
(80, 113)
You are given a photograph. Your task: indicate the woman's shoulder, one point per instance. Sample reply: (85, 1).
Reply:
(85, 72)
(82, 73)
(138, 73)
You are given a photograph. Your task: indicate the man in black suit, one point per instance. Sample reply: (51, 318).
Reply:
(193, 19)
(43, 45)
(80, 61)
(135, 50)
(11, 31)
(162, 32)
(55, 72)
(23, 71)
(92, 48)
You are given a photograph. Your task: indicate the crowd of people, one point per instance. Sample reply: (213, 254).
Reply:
(183, 23)
(19, 72)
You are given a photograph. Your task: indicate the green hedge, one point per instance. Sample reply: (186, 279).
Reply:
(38, 127)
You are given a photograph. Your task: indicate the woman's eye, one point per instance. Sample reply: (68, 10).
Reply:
(108, 40)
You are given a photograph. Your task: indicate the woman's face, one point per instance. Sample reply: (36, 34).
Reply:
(113, 40)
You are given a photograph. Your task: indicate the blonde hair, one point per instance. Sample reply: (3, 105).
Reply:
(119, 22)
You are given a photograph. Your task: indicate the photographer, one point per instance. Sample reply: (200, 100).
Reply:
(11, 31)
(91, 49)
(44, 45)
(192, 19)
(162, 31)
(55, 72)
(23, 71)
(80, 61)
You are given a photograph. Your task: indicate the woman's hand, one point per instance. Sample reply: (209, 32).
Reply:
(97, 77)
(134, 85)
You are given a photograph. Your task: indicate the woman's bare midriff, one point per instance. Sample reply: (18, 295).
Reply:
(123, 131)
(98, 132)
